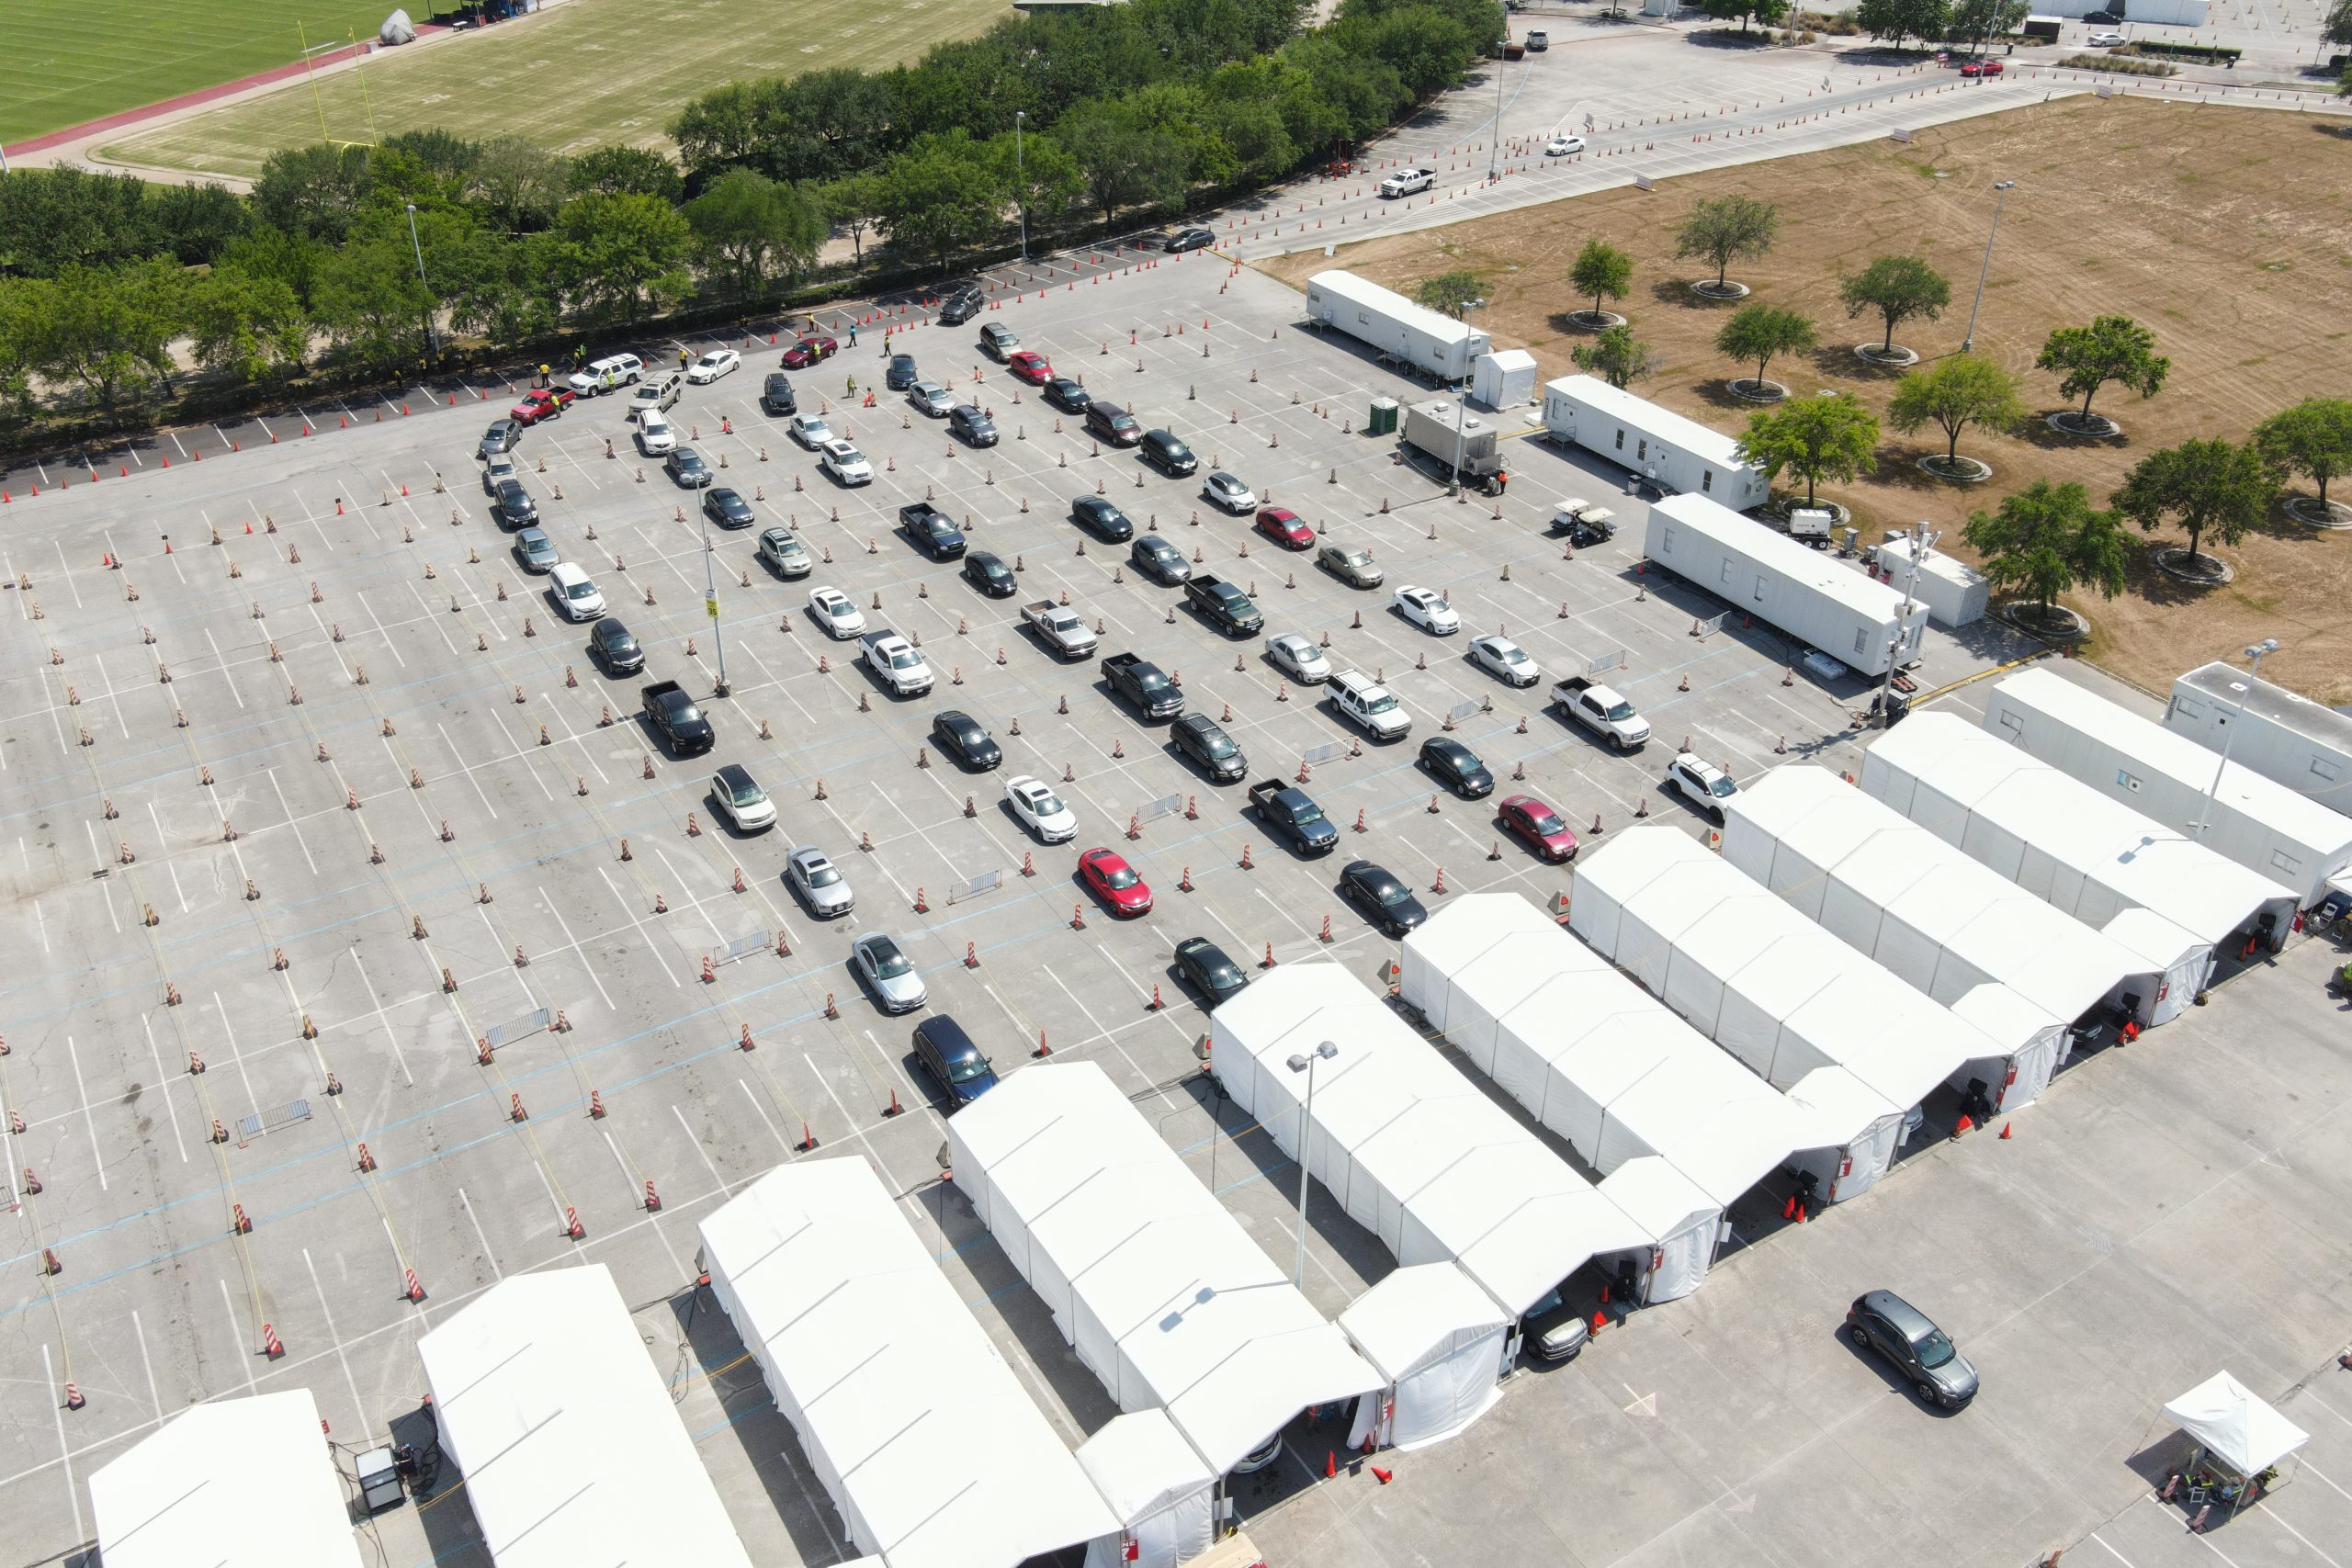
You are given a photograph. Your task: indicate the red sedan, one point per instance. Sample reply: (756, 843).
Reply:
(1116, 881)
(1983, 68)
(1031, 366)
(1538, 827)
(544, 402)
(809, 351)
(1280, 524)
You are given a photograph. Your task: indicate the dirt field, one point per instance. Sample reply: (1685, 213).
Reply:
(2229, 231)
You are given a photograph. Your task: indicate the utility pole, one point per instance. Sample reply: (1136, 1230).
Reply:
(1021, 183)
(1921, 542)
(432, 338)
(710, 606)
(2205, 806)
(1999, 201)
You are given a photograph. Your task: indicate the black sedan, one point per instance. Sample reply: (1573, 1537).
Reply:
(901, 373)
(776, 395)
(1158, 559)
(615, 646)
(1204, 740)
(1098, 517)
(975, 427)
(1205, 966)
(960, 736)
(1385, 902)
(686, 467)
(1457, 767)
(989, 575)
(1067, 395)
(514, 506)
(726, 508)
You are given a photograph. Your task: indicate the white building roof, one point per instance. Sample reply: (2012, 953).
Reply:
(1141, 1464)
(552, 1409)
(1166, 1298)
(1362, 291)
(1418, 1315)
(874, 1360)
(1776, 552)
(2324, 725)
(1639, 413)
(237, 1482)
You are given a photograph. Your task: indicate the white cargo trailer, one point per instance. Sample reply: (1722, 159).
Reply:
(2264, 827)
(1955, 593)
(2282, 735)
(1811, 597)
(1431, 341)
(1671, 453)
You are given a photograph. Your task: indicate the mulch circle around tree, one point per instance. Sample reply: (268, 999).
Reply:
(1966, 471)
(1896, 358)
(2061, 625)
(1595, 321)
(2200, 570)
(1708, 288)
(2073, 423)
(1748, 389)
(2306, 510)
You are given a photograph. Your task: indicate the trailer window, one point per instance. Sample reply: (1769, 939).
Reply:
(1642, 450)
(2013, 729)
(1665, 543)
(1621, 440)
(1706, 482)
(1726, 572)
(2128, 779)
(1858, 640)
(2324, 769)
(1760, 590)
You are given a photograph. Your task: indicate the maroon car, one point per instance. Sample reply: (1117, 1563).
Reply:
(809, 351)
(1282, 525)
(1538, 827)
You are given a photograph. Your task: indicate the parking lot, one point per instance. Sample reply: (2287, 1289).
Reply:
(300, 819)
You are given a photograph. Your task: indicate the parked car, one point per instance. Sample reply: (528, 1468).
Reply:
(811, 430)
(931, 398)
(1385, 901)
(1428, 609)
(1206, 967)
(809, 351)
(1561, 146)
(776, 395)
(1193, 239)
(541, 403)
(2105, 40)
(1101, 517)
(837, 613)
(1299, 659)
(988, 574)
(1538, 827)
(998, 341)
(712, 365)
(901, 373)
(960, 305)
(782, 551)
(818, 883)
(513, 505)
(740, 800)
(1701, 783)
(949, 1055)
(536, 550)
(1067, 395)
(1030, 365)
(1040, 810)
(499, 437)
(1284, 526)
(887, 974)
(1553, 1330)
(615, 646)
(728, 508)
(963, 738)
(1120, 886)
(1501, 656)
(1923, 1353)
(1203, 740)
(687, 470)
(1457, 767)
(1163, 451)
(1351, 564)
(1159, 561)
(1228, 494)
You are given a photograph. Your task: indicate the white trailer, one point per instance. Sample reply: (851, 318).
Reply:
(1811, 597)
(2282, 735)
(1670, 453)
(1955, 593)
(1431, 341)
(2262, 825)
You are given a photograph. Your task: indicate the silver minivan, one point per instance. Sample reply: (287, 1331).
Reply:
(661, 392)
(576, 596)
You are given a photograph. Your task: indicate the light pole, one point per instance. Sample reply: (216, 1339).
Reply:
(1495, 141)
(1305, 1062)
(432, 342)
(1999, 200)
(710, 607)
(1020, 183)
(1461, 413)
(2205, 806)
(1921, 542)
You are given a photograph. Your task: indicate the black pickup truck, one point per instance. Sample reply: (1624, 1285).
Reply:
(934, 531)
(1291, 813)
(671, 711)
(1224, 606)
(1144, 685)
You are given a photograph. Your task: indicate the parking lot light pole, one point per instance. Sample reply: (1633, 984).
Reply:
(2205, 806)
(1999, 200)
(1461, 415)
(431, 341)
(1305, 1062)
(1020, 180)
(1922, 541)
(710, 606)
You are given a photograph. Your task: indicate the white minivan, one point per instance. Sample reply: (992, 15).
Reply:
(576, 597)
(607, 375)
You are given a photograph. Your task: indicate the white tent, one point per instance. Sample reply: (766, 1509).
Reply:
(2067, 844)
(241, 1483)
(2234, 1425)
(1164, 1296)
(1773, 988)
(2275, 831)
(552, 1409)
(1407, 1145)
(1662, 1201)
(1156, 1485)
(1437, 1337)
(933, 1452)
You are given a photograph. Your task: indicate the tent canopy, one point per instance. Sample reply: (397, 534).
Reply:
(2235, 1425)
(551, 1407)
(1418, 1315)
(246, 1481)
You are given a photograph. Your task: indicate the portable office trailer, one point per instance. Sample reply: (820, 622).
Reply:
(1810, 596)
(2067, 844)
(1955, 593)
(2282, 735)
(1673, 454)
(1430, 341)
(2262, 825)
(1443, 428)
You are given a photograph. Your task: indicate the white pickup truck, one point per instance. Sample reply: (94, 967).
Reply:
(1603, 711)
(896, 662)
(1060, 628)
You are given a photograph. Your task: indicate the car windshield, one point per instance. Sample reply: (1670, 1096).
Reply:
(889, 962)
(1150, 679)
(847, 455)
(840, 609)
(618, 642)
(1511, 654)
(905, 658)
(1380, 703)
(1220, 744)
(1439, 606)
(1045, 805)
(686, 713)
(588, 591)
(1720, 787)
(1178, 449)
(822, 874)
(1547, 822)
(1355, 558)
(746, 793)
(1392, 893)
(1308, 812)
(964, 1069)
(1935, 1349)
(1124, 878)
(1620, 709)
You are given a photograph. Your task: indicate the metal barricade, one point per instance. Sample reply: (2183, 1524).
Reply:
(516, 1029)
(1166, 805)
(744, 947)
(974, 886)
(263, 1123)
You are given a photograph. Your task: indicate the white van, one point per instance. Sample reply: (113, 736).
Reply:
(655, 436)
(1408, 182)
(661, 392)
(575, 596)
(608, 374)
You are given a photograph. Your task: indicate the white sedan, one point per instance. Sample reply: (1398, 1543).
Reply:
(2104, 40)
(1301, 659)
(1500, 656)
(1561, 146)
(811, 430)
(1041, 810)
(846, 464)
(712, 365)
(1227, 490)
(837, 613)
(1427, 608)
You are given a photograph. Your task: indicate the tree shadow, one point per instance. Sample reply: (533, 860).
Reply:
(2035, 431)
(1728, 38)
(1838, 361)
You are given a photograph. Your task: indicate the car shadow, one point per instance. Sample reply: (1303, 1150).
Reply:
(1887, 1373)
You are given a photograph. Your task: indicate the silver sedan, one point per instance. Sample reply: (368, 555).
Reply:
(888, 974)
(820, 883)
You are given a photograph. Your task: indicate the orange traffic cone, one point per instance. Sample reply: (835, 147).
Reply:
(2005, 1130)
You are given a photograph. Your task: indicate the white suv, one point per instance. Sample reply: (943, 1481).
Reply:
(608, 374)
(655, 436)
(1371, 708)
(1701, 783)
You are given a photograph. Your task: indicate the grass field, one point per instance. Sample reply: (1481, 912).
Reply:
(579, 75)
(2229, 231)
(67, 63)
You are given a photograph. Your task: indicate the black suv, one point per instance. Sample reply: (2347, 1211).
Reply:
(972, 424)
(1203, 740)
(1112, 423)
(1098, 517)
(1170, 457)
(776, 395)
(989, 573)
(1158, 559)
(1067, 395)
(960, 306)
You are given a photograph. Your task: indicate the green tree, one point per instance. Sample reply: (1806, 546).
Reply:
(1617, 357)
(2047, 539)
(750, 231)
(518, 185)
(1978, 22)
(1961, 392)
(1449, 291)
(1897, 288)
(1603, 272)
(503, 290)
(1827, 436)
(1727, 228)
(1040, 176)
(2201, 488)
(2112, 348)
(940, 197)
(2313, 438)
(1767, 13)
(719, 129)
(629, 171)
(24, 315)
(315, 191)
(1896, 20)
(365, 296)
(111, 329)
(245, 324)
(196, 223)
(52, 219)
(622, 255)
(2339, 26)
(1762, 332)
(1125, 164)
(853, 204)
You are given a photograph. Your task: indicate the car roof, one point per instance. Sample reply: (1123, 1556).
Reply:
(735, 773)
(1900, 1314)
(1446, 744)
(946, 1036)
(807, 855)
(533, 536)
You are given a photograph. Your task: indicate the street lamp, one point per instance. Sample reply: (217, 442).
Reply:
(1461, 413)
(2205, 806)
(1922, 542)
(1495, 141)
(1999, 200)
(1305, 1062)
(432, 343)
(710, 606)
(1020, 183)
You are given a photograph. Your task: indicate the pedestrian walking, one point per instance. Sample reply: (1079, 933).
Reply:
(852, 333)
(852, 387)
